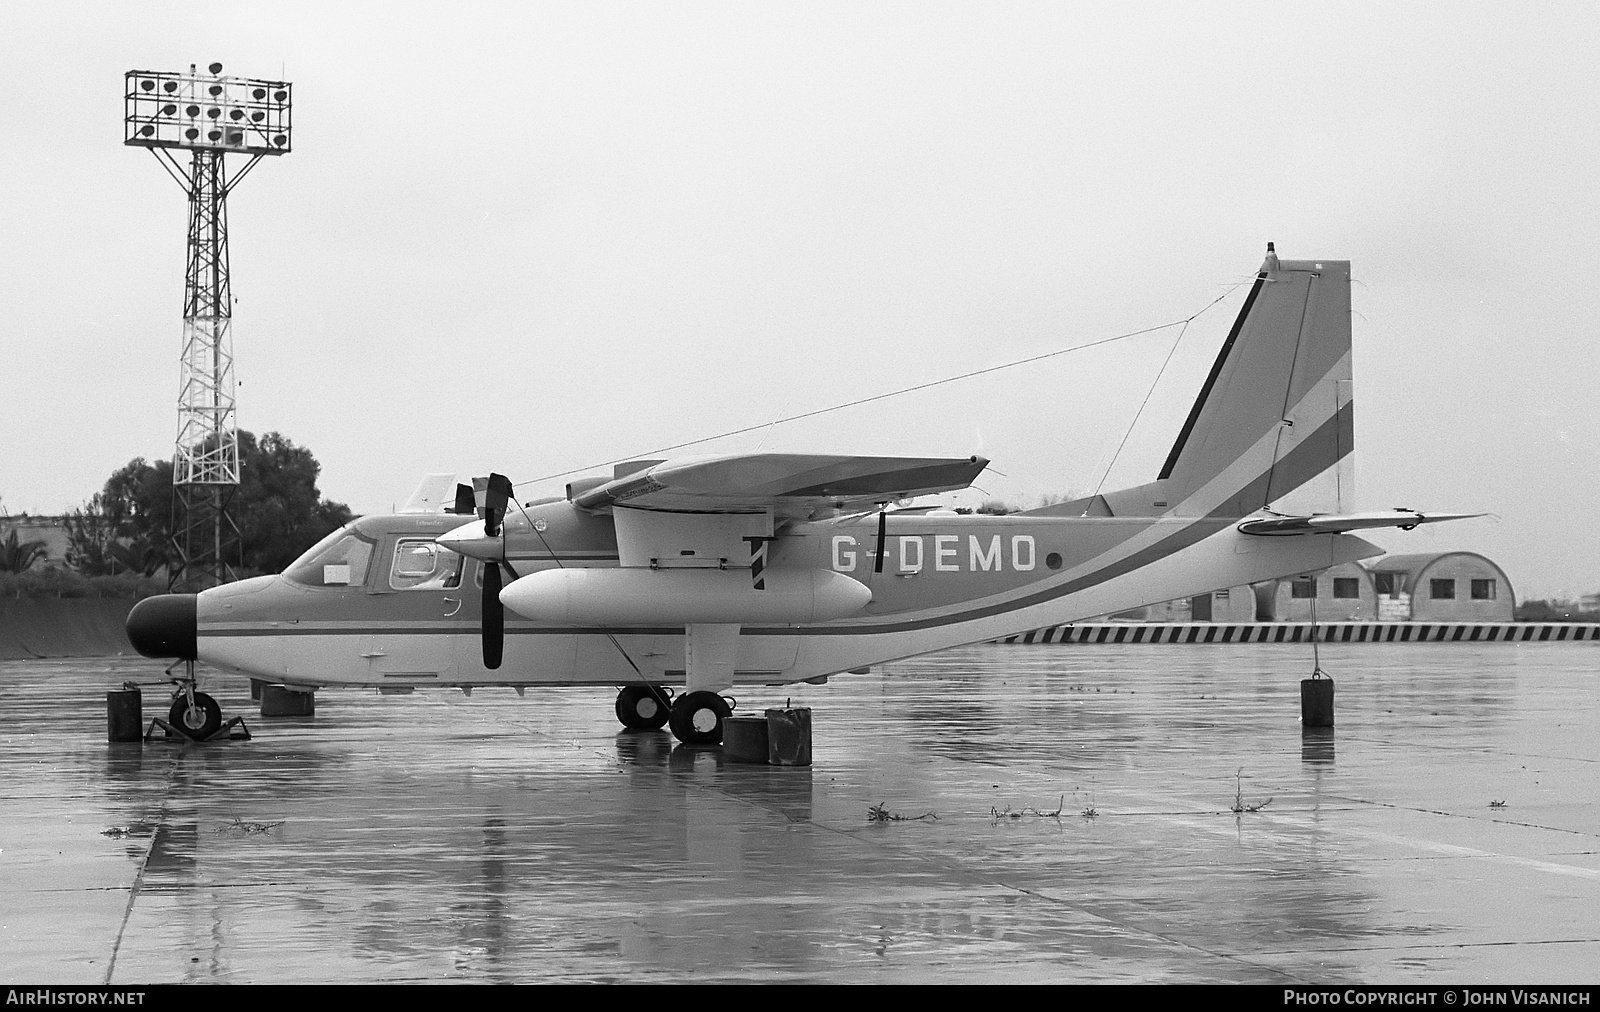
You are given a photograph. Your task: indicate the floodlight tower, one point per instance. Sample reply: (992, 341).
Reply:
(207, 115)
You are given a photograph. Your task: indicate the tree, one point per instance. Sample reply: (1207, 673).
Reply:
(19, 558)
(127, 526)
(278, 508)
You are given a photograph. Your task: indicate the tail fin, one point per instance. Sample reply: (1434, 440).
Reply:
(1273, 424)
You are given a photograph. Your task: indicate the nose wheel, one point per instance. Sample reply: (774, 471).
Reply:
(195, 714)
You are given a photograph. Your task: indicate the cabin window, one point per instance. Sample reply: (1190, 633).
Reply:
(1346, 586)
(1306, 586)
(1442, 590)
(422, 565)
(338, 560)
(1483, 590)
(1386, 584)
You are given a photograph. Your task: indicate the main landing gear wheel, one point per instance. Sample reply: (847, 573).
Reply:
(697, 718)
(199, 719)
(643, 707)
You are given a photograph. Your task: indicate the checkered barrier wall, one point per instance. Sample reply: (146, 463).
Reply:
(1301, 632)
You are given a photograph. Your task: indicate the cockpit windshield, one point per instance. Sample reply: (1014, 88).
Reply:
(338, 560)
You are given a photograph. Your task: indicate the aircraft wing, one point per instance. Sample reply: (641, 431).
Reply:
(793, 484)
(1333, 523)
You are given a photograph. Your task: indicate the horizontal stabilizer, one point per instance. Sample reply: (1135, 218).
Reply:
(1338, 523)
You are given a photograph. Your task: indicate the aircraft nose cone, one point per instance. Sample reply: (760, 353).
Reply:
(164, 626)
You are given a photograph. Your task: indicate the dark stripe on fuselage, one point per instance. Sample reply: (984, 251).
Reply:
(468, 629)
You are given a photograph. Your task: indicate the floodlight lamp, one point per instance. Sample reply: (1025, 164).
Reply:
(216, 68)
(239, 114)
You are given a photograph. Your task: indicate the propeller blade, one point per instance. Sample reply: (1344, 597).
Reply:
(492, 495)
(494, 618)
(883, 531)
(465, 504)
(498, 494)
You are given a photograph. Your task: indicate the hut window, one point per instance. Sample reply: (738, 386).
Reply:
(1346, 586)
(1386, 585)
(1442, 590)
(1305, 587)
(1483, 590)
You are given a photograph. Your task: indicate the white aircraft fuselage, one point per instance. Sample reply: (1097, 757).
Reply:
(945, 580)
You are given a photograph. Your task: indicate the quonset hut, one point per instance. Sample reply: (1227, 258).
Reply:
(1344, 593)
(1444, 587)
(1439, 587)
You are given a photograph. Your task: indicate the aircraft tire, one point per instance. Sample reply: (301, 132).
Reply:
(697, 718)
(199, 722)
(643, 707)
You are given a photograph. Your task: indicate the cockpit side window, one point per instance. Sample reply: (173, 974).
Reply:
(419, 564)
(338, 560)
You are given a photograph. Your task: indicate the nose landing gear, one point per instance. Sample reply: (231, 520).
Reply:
(194, 714)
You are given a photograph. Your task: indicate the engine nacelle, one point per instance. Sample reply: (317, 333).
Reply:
(634, 596)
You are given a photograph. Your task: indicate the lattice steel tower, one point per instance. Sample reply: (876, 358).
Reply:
(208, 115)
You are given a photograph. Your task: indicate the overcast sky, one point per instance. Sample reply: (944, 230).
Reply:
(536, 237)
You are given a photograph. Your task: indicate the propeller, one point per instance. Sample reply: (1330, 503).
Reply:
(488, 497)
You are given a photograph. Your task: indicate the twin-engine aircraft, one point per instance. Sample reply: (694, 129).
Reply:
(774, 568)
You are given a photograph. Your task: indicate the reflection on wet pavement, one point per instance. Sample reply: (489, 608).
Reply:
(436, 837)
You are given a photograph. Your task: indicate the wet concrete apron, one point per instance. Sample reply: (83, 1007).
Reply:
(437, 837)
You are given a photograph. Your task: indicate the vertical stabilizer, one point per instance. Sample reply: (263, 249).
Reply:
(1273, 423)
